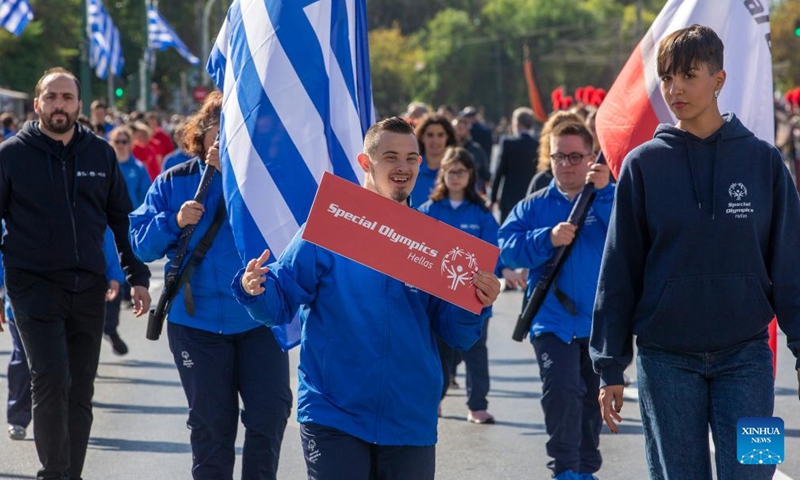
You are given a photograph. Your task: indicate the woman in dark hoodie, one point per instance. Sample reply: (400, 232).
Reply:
(701, 254)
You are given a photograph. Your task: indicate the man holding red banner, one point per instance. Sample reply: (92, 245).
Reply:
(369, 374)
(700, 255)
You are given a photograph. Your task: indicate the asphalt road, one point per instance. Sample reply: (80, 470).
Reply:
(140, 415)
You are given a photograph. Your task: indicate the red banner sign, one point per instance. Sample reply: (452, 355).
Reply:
(399, 241)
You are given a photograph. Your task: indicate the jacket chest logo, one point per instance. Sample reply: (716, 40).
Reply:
(90, 173)
(737, 206)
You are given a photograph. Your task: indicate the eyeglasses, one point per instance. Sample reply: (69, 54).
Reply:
(120, 142)
(574, 158)
(457, 173)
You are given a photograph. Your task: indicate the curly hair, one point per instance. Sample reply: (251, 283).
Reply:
(201, 122)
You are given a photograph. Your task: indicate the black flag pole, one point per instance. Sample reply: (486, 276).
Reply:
(576, 217)
(155, 321)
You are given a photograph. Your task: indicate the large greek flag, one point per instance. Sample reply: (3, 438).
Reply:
(105, 50)
(297, 101)
(161, 36)
(15, 15)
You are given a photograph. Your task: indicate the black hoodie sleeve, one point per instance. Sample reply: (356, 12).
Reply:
(621, 277)
(784, 261)
(117, 209)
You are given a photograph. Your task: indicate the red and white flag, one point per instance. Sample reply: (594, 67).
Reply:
(634, 107)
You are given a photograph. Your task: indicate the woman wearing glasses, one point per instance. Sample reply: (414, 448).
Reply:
(560, 330)
(136, 178)
(455, 202)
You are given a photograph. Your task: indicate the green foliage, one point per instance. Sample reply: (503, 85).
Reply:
(785, 45)
(394, 61)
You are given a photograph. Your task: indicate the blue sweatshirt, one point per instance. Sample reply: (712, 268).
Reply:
(369, 365)
(702, 249)
(525, 243)
(136, 178)
(155, 233)
(423, 187)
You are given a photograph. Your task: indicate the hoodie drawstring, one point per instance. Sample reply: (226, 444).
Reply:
(714, 174)
(693, 171)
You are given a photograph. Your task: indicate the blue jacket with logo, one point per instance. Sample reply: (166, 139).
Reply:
(703, 248)
(155, 233)
(525, 243)
(469, 218)
(369, 365)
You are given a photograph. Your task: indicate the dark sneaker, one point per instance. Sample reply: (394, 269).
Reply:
(120, 348)
(453, 383)
(16, 432)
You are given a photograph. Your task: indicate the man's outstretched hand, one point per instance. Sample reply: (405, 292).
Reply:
(255, 275)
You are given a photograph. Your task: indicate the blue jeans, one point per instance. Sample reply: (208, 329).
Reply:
(681, 394)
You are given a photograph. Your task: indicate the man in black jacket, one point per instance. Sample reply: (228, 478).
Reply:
(517, 163)
(60, 186)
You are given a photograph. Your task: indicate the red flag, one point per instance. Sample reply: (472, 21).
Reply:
(533, 91)
(633, 107)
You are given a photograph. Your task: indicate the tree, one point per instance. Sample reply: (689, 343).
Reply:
(394, 64)
(785, 45)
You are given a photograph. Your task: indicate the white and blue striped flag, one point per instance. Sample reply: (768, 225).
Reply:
(161, 36)
(15, 15)
(105, 50)
(297, 101)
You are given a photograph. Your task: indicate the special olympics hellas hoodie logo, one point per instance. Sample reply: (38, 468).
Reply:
(737, 191)
(458, 265)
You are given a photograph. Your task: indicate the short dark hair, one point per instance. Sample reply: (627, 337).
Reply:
(577, 129)
(682, 48)
(201, 122)
(433, 119)
(99, 104)
(56, 71)
(390, 124)
(7, 119)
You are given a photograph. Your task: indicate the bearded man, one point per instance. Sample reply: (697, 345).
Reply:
(60, 187)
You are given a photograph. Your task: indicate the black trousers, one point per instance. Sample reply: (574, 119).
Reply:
(215, 371)
(334, 455)
(61, 333)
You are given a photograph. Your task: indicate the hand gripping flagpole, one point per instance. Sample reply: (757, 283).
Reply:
(155, 321)
(576, 217)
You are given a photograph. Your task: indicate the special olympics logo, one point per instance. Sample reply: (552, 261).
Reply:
(737, 191)
(458, 265)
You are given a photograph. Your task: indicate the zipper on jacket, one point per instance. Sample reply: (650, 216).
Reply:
(69, 207)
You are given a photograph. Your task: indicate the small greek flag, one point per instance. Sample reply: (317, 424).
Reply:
(105, 50)
(15, 15)
(161, 36)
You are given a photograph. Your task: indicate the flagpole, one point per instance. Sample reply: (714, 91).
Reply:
(110, 90)
(85, 73)
(144, 84)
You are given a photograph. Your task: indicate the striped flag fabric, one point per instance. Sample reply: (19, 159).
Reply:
(105, 49)
(297, 101)
(634, 106)
(15, 15)
(161, 36)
